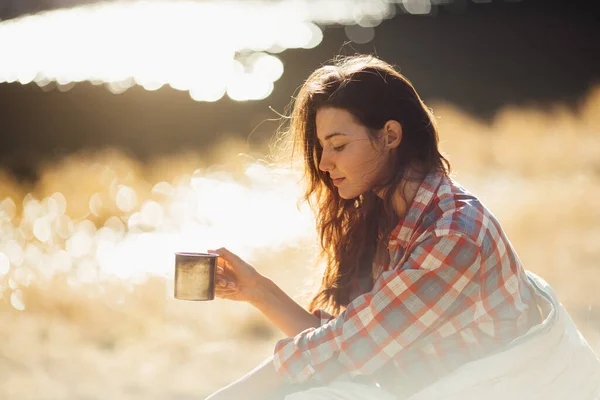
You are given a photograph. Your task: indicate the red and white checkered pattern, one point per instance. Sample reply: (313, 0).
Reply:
(454, 290)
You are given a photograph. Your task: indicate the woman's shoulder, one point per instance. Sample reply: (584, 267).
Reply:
(457, 211)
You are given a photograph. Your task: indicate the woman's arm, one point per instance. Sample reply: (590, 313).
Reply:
(432, 295)
(240, 281)
(282, 310)
(257, 384)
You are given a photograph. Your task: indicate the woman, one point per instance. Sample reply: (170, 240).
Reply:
(420, 279)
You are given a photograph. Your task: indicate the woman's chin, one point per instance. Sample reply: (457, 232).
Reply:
(347, 194)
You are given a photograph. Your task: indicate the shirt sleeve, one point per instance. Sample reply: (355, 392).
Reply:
(430, 296)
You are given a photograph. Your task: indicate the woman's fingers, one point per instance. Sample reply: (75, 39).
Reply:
(224, 283)
(231, 275)
(225, 259)
(226, 275)
(226, 292)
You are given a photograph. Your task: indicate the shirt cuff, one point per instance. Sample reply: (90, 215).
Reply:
(290, 362)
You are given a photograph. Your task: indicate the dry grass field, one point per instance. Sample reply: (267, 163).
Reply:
(86, 253)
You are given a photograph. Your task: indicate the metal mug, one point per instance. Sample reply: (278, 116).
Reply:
(195, 276)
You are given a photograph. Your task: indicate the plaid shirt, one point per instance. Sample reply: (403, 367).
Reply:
(452, 291)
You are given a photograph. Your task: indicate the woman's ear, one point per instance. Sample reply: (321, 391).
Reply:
(392, 130)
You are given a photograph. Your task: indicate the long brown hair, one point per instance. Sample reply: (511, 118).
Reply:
(374, 93)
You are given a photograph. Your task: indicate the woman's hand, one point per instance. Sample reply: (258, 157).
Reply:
(236, 279)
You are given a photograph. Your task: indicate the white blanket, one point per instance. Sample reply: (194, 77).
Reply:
(552, 361)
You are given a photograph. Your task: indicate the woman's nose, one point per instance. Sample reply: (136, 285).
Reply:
(325, 164)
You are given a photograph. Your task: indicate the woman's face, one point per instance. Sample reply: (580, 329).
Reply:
(352, 161)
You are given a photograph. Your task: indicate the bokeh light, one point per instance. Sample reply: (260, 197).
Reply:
(4, 264)
(207, 48)
(360, 34)
(132, 229)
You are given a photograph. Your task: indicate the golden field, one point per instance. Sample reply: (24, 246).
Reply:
(86, 308)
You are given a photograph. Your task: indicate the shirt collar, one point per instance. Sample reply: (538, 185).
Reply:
(406, 226)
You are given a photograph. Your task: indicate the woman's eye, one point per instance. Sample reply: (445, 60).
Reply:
(339, 148)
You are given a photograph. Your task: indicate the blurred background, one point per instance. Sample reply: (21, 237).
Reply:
(133, 129)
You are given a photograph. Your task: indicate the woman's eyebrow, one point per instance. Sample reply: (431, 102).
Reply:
(332, 135)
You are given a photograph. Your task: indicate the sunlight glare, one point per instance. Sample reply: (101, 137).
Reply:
(12, 249)
(417, 7)
(79, 244)
(64, 227)
(16, 300)
(8, 209)
(126, 198)
(42, 229)
(4, 264)
(61, 262)
(187, 45)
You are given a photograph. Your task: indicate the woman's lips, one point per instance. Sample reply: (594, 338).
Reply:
(338, 181)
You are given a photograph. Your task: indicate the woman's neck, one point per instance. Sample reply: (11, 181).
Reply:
(405, 192)
(404, 195)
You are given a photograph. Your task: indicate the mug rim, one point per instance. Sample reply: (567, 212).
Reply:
(194, 254)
